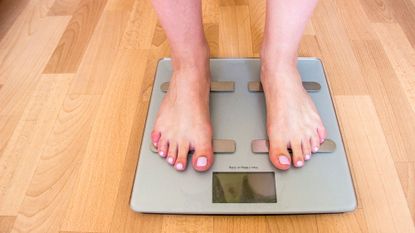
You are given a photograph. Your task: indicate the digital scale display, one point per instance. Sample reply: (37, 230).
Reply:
(244, 187)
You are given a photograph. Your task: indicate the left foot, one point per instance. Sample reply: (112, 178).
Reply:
(292, 118)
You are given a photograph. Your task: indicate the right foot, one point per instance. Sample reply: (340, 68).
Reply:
(183, 121)
(292, 118)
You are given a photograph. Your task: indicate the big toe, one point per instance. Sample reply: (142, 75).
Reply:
(202, 159)
(279, 155)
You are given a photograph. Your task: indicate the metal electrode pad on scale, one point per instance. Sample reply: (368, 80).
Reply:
(242, 180)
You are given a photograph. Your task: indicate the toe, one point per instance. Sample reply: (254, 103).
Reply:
(298, 159)
(162, 147)
(181, 161)
(202, 159)
(322, 133)
(315, 143)
(155, 137)
(306, 146)
(172, 154)
(279, 156)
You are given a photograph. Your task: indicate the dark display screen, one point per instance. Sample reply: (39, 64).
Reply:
(244, 187)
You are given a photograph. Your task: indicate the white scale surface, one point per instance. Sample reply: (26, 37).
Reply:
(323, 185)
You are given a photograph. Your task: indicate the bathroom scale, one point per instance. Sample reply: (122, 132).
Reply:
(242, 180)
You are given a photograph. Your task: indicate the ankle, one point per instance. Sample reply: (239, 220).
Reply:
(279, 70)
(191, 57)
(278, 57)
(278, 65)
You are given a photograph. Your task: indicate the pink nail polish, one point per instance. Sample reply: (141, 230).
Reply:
(307, 157)
(284, 160)
(161, 153)
(179, 166)
(170, 160)
(300, 163)
(315, 149)
(201, 161)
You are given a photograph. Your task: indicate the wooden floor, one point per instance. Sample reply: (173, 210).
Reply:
(75, 81)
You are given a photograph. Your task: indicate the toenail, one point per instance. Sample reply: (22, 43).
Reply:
(155, 144)
(307, 157)
(315, 149)
(201, 161)
(161, 153)
(284, 160)
(322, 140)
(170, 160)
(179, 166)
(300, 163)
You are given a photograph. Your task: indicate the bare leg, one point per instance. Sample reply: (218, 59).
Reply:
(183, 121)
(292, 118)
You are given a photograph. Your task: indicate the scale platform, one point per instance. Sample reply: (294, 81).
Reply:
(242, 180)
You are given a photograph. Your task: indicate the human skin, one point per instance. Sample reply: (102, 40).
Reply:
(183, 121)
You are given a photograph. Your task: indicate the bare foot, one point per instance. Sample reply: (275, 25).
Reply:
(292, 118)
(183, 121)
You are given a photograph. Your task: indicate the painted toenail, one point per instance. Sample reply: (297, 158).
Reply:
(300, 163)
(284, 160)
(201, 161)
(161, 153)
(315, 149)
(307, 157)
(179, 166)
(170, 160)
(322, 140)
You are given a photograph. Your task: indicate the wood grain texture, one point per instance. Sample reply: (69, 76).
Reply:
(47, 197)
(31, 27)
(389, 98)
(347, 78)
(128, 221)
(95, 69)
(7, 126)
(17, 90)
(9, 11)
(377, 11)
(73, 43)
(63, 7)
(20, 158)
(404, 13)
(257, 20)
(355, 21)
(6, 223)
(105, 155)
(401, 55)
(406, 173)
(78, 232)
(139, 32)
(75, 84)
(212, 37)
(234, 32)
(210, 11)
(375, 173)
